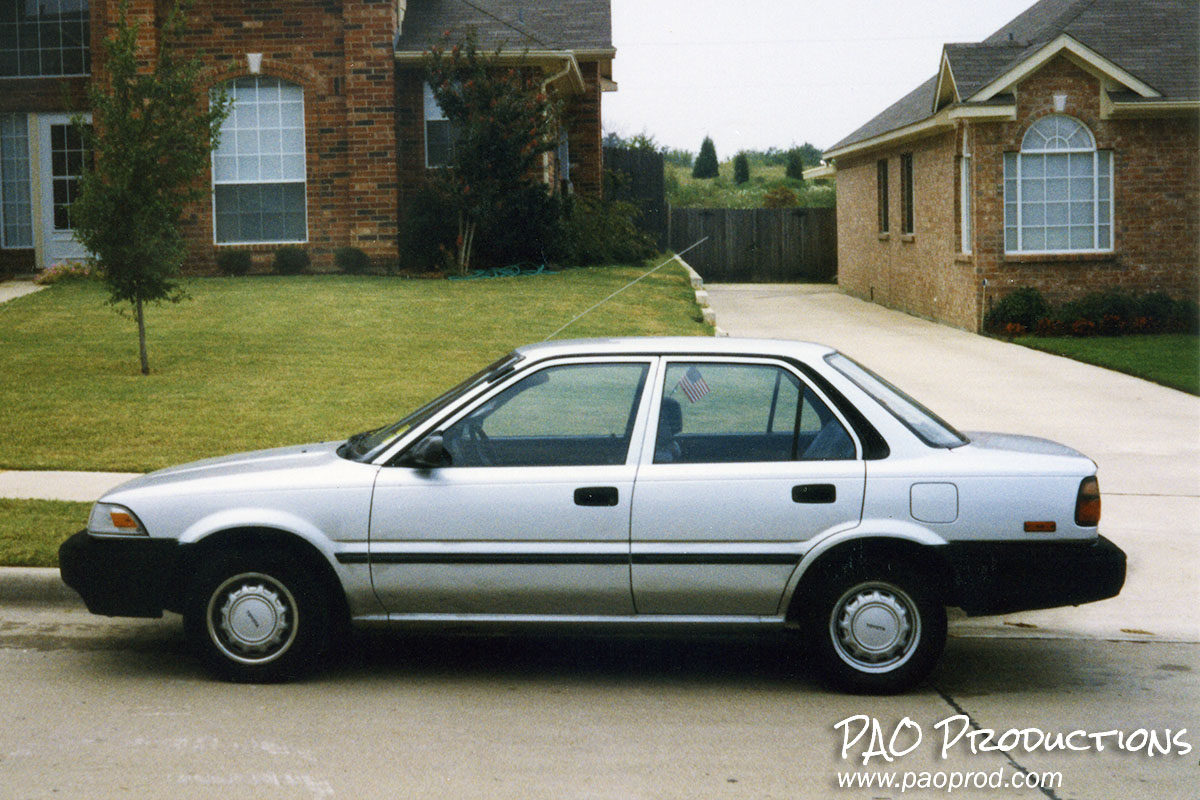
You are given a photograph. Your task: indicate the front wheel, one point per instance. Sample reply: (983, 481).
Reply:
(256, 618)
(876, 630)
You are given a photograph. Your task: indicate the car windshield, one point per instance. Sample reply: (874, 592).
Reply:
(929, 427)
(366, 445)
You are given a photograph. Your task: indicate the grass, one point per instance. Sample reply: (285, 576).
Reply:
(265, 361)
(1172, 359)
(32, 530)
(684, 191)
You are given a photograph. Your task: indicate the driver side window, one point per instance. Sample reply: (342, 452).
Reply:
(570, 415)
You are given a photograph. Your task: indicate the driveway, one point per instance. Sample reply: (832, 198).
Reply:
(1144, 437)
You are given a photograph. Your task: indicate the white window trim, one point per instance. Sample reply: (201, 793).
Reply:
(40, 75)
(1097, 223)
(304, 183)
(431, 111)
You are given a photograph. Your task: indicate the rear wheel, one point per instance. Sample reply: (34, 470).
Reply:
(257, 617)
(876, 629)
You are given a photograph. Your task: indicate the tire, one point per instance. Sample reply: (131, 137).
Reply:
(876, 628)
(257, 618)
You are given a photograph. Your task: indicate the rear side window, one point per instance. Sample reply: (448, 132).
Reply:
(929, 427)
(723, 413)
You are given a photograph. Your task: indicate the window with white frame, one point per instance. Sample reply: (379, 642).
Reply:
(439, 133)
(1058, 191)
(259, 167)
(964, 186)
(16, 207)
(41, 38)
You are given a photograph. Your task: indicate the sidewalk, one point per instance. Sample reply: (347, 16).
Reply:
(81, 487)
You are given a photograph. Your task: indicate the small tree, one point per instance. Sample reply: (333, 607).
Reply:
(795, 164)
(706, 163)
(741, 168)
(504, 121)
(151, 135)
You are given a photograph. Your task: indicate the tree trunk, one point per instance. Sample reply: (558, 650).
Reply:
(141, 321)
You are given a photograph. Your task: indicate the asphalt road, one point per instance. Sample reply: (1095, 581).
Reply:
(98, 708)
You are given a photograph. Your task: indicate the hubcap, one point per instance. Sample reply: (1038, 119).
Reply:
(875, 627)
(252, 618)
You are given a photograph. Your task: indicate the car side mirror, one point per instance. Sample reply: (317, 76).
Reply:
(429, 453)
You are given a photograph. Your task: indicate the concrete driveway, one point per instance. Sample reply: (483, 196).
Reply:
(1144, 437)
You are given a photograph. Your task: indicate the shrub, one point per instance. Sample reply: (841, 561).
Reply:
(795, 165)
(741, 169)
(351, 260)
(234, 262)
(427, 230)
(65, 272)
(780, 197)
(1023, 307)
(601, 232)
(290, 260)
(706, 165)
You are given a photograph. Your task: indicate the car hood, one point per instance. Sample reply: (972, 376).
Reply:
(238, 469)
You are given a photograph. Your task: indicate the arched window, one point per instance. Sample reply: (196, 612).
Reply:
(259, 168)
(1058, 190)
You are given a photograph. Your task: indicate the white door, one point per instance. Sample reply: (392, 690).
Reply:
(62, 159)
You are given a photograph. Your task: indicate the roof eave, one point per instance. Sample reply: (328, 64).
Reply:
(917, 130)
(945, 81)
(1065, 43)
(563, 61)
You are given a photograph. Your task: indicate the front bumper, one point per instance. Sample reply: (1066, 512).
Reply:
(1004, 577)
(121, 577)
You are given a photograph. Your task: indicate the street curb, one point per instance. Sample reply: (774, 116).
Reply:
(40, 586)
(709, 315)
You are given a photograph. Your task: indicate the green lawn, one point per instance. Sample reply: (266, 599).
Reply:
(1172, 359)
(32, 530)
(264, 361)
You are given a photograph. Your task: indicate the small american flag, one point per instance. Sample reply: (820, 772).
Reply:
(693, 385)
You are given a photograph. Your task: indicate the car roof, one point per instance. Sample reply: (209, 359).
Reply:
(674, 345)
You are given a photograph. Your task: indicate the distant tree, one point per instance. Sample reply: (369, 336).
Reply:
(151, 137)
(504, 121)
(643, 142)
(680, 158)
(741, 168)
(795, 165)
(706, 163)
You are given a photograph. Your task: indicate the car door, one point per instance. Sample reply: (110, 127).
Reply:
(747, 461)
(531, 515)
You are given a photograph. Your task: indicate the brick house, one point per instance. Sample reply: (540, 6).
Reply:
(1062, 153)
(331, 126)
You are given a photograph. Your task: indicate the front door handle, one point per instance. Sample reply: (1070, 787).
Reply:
(596, 496)
(814, 493)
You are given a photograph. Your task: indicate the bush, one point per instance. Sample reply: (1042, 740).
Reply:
(351, 260)
(1023, 307)
(65, 272)
(780, 197)
(291, 260)
(234, 262)
(741, 169)
(795, 165)
(601, 232)
(706, 163)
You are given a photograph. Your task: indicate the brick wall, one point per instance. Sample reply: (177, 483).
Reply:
(917, 273)
(341, 55)
(1156, 212)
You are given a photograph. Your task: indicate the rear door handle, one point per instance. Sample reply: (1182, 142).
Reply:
(596, 496)
(814, 493)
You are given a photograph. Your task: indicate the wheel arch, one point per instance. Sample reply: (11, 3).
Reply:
(920, 553)
(262, 539)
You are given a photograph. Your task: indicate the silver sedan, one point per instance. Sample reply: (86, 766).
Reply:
(691, 482)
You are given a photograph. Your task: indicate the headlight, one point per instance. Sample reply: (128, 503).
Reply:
(114, 520)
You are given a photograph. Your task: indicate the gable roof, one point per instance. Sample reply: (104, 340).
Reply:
(577, 25)
(1151, 49)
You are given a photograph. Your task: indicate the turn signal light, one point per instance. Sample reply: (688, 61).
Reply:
(1087, 503)
(124, 521)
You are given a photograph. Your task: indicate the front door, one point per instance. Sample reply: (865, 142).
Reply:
(62, 160)
(531, 514)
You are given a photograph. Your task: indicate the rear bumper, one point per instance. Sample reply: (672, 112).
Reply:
(120, 577)
(1000, 578)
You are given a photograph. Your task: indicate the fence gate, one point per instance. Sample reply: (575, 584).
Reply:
(758, 245)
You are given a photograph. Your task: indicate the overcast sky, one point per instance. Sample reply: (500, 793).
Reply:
(759, 73)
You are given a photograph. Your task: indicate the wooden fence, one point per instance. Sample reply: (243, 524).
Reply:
(758, 245)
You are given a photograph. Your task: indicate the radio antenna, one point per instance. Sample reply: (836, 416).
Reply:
(675, 257)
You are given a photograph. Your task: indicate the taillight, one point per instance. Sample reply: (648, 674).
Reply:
(1087, 503)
